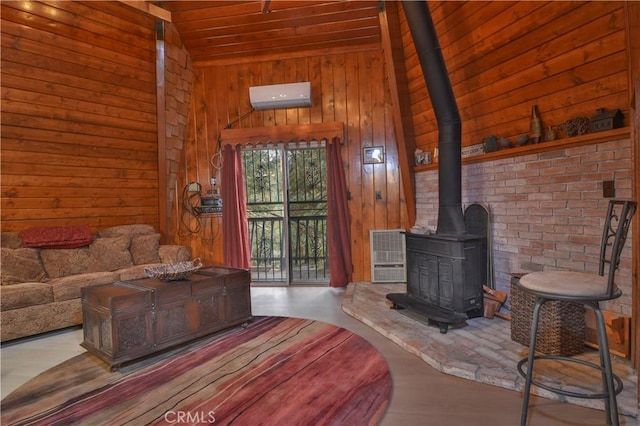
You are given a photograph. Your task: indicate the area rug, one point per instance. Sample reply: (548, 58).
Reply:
(276, 371)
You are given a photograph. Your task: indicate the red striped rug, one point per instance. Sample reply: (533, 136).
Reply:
(278, 371)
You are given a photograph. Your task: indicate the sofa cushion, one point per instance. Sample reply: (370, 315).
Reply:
(61, 263)
(134, 272)
(10, 240)
(25, 294)
(109, 254)
(57, 237)
(66, 288)
(20, 265)
(145, 249)
(40, 318)
(174, 253)
(126, 230)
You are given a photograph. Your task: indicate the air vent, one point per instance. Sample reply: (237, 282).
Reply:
(388, 256)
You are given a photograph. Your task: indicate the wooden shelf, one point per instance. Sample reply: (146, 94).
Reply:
(588, 139)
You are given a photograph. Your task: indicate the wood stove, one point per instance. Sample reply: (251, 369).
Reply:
(445, 270)
(444, 278)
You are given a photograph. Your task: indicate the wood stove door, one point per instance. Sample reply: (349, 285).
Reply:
(422, 270)
(445, 282)
(431, 290)
(415, 264)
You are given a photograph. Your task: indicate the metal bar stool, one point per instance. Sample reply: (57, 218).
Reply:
(588, 289)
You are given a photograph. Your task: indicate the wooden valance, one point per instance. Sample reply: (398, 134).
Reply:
(284, 133)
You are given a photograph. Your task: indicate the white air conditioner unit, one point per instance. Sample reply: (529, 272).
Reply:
(291, 95)
(388, 256)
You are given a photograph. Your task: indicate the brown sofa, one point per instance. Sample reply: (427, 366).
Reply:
(40, 287)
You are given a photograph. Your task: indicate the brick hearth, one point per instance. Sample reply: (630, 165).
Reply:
(481, 350)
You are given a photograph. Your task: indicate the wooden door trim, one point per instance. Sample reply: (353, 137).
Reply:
(400, 109)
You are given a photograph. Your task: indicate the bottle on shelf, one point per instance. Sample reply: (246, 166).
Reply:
(535, 127)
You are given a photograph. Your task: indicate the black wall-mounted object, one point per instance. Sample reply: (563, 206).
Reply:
(608, 189)
(606, 120)
(210, 205)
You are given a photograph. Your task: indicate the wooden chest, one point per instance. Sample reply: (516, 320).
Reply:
(128, 320)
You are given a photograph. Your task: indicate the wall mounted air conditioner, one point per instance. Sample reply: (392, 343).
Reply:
(291, 95)
(388, 256)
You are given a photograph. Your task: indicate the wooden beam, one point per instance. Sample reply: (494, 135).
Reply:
(149, 8)
(163, 190)
(264, 57)
(399, 91)
(632, 23)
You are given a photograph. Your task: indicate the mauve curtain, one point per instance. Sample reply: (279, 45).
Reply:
(338, 228)
(237, 252)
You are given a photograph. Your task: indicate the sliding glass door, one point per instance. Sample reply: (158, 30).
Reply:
(287, 210)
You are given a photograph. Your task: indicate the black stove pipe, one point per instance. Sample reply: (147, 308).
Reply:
(425, 38)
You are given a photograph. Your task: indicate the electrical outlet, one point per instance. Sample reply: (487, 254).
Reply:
(193, 187)
(378, 195)
(608, 189)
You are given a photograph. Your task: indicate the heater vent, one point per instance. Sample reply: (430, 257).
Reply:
(388, 256)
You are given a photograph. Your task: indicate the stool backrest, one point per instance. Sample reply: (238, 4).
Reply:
(614, 235)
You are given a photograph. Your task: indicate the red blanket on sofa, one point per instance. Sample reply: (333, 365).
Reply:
(57, 237)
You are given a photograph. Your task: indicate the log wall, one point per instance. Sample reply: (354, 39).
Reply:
(79, 129)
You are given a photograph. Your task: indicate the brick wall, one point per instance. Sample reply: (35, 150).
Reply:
(547, 209)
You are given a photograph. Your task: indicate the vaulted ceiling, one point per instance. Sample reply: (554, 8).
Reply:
(241, 31)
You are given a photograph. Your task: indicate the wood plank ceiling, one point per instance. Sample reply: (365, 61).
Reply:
(219, 32)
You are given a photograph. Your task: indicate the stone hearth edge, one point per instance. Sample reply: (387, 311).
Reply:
(481, 350)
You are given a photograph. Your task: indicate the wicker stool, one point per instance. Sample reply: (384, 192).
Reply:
(589, 290)
(562, 327)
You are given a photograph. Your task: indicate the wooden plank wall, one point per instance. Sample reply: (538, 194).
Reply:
(633, 30)
(569, 58)
(345, 88)
(79, 137)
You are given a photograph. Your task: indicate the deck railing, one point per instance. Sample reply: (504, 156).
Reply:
(308, 249)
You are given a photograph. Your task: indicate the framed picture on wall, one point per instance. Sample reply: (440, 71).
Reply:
(374, 155)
